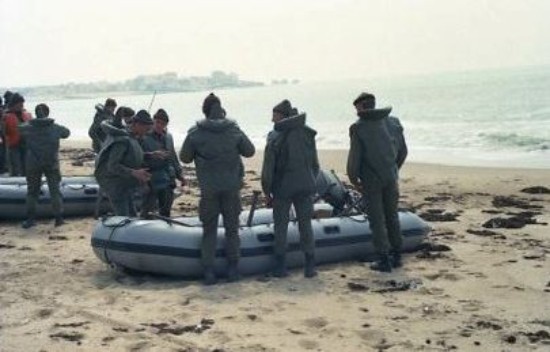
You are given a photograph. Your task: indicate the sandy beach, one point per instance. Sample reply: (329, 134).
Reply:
(475, 288)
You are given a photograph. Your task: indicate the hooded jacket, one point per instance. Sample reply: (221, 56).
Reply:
(216, 145)
(372, 155)
(120, 154)
(290, 164)
(42, 140)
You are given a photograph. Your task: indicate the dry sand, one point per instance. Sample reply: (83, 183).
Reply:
(489, 292)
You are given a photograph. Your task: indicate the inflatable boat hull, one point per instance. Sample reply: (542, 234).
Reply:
(155, 246)
(79, 197)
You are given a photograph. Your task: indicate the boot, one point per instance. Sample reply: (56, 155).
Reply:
(27, 224)
(209, 276)
(59, 221)
(396, 259)
(233, 272)
(309, 267)
(279, 270)
(383, 264)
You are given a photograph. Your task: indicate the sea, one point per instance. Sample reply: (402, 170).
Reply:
(496, 118)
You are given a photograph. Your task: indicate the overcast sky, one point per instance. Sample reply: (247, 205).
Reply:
(57, 41)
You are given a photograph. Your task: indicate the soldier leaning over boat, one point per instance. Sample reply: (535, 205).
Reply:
(216, 145)
(119, 171)
(42, 137)
(289, 171)
(377, 151)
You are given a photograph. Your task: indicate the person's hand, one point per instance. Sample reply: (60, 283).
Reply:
(142, 175)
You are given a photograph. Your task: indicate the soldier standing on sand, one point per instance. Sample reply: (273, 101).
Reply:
(216, 145)
(289, 171)
(162, 160)
(373, 169)
(119, 170)
(42, 158)
(95, 131)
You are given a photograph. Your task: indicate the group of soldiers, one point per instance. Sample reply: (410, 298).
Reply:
(136, 152)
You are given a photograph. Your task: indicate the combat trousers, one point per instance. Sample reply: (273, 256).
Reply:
(303, 204)
(34, 183)
(212, 204)
(382, 203)
(16, 161)
(123, 202)
(161, 198)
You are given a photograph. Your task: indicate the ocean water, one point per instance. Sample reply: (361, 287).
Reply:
(483, 118)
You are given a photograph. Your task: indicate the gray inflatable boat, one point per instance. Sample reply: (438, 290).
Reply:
(172, 247)
(80, 197)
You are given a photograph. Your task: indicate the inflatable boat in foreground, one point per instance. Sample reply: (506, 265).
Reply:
(172, 247)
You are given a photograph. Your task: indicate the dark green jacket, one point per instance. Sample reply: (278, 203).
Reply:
(163, 171)
(42, 140)
(396, 131)
(372, 158)
(216, 145)
(290, 164)
(96, 132)
(121, 153)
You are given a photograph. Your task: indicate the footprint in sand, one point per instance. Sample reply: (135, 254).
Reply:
(316, 323)
(308, 344)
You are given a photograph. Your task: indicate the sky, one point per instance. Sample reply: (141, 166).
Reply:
(61, 41)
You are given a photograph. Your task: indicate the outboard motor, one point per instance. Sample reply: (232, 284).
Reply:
(332, 190)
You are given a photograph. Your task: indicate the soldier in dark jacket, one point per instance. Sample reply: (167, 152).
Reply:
(119, 171)
(373, 168)
(163, 163)
(216, 144)
(42, 135)
(96, 132)
(289, 171)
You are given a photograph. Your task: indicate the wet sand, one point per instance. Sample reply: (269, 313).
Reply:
(471, 288)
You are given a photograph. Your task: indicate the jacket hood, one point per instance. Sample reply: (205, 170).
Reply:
(42, 122)
(375, 114)
(216, 125)
(112, 130)
(292, 123)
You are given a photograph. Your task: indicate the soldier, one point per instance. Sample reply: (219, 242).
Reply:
(216, 144)
(289, 171)
(373, 168)
(119, 170)
(162, 160)
(42, 158)
(15, 116)
(95, 131)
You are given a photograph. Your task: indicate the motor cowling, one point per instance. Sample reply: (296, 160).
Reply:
(332, 190)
